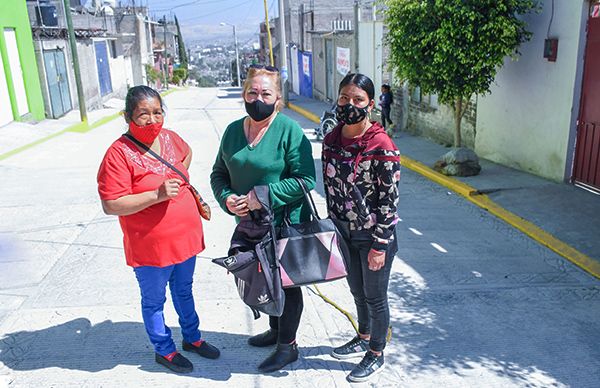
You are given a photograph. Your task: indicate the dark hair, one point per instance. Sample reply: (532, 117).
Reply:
(137, 94)
(360, 80)
(386, 87)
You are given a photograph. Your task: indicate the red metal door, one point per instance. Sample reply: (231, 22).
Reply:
(586, 169)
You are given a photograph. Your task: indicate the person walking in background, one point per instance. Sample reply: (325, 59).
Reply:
(266, 148)
(361, 173)
(160, 222)
(386, 99)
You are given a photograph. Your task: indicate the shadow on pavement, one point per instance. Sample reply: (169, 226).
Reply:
(79, 345)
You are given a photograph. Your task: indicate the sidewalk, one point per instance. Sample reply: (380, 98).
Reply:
(560, 216)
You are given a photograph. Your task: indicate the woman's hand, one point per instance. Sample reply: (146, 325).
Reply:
(376, 259)
(253, 203)
(169, 189)
(237, 204)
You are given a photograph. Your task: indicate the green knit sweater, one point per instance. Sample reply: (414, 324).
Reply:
(283, 153)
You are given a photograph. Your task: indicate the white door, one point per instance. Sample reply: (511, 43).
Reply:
(6, 115)
(17, 72)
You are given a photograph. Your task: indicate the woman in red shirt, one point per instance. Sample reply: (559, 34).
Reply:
(162, 230)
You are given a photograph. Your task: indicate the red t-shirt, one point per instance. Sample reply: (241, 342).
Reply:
(163, 234)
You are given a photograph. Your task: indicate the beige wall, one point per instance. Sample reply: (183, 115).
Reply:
(527, 121)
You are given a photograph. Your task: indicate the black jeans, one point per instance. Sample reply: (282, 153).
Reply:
(288, 323)
(385, 116)
(369, 289)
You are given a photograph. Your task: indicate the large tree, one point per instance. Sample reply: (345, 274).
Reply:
(453, 48)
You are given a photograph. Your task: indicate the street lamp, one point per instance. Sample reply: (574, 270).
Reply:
(237, 57)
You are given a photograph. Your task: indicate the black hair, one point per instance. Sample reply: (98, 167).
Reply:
(360, 80)
(137, 94)
(386, 87)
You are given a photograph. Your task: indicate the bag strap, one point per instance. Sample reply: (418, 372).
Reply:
(309, 200)
(157, 156)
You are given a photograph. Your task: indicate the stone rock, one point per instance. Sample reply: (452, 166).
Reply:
(458, 162)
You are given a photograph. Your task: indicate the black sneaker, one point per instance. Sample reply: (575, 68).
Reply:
(177, 364)
(369, 366)
(356, 347)
(205, 349)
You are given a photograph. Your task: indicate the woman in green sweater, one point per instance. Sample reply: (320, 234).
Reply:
(266, 148)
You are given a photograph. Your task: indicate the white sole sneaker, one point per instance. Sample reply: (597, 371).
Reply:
(347, 356)
(353, 379)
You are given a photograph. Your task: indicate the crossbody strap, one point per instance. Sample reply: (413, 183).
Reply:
(157, 156)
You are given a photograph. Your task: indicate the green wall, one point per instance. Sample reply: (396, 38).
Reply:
(13, 14)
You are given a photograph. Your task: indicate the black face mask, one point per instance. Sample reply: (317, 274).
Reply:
(351, 114)
(258, 110)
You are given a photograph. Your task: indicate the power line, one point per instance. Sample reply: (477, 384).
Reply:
(216, 12)
(197, 2)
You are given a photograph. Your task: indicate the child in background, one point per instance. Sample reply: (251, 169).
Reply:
(386, 99)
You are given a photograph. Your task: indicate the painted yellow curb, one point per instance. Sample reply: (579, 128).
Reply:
(80, 127)
(309, 115)
(546, 239)
(581, 260)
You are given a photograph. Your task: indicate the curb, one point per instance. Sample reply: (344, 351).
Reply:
(309, 115)
(546, 239)
(81, 127)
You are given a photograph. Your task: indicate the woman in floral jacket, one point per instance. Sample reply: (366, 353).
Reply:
(361, 172)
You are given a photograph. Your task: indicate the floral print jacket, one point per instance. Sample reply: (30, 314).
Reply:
(361, 182)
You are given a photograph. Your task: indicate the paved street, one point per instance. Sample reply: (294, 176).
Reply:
(475, 303)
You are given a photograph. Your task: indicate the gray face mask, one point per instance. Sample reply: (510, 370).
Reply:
(351, 114)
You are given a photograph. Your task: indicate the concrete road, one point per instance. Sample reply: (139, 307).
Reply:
(474, 302)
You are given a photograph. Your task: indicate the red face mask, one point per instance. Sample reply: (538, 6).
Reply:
(147, 133)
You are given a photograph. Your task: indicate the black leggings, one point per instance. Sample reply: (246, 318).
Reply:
(369, 289)
(385, 116)
(287, 324)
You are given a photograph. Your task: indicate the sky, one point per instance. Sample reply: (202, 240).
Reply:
(200, 19)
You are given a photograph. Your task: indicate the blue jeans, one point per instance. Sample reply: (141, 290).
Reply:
(153, 284)
(369, 289)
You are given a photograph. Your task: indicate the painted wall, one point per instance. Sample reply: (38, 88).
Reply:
(527, 121)
(13, 14)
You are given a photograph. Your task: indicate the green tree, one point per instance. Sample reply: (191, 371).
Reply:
(454, 47)
(183, 59)
(152, 75)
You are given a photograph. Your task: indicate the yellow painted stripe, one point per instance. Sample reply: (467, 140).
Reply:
(581, 260)
(541, 236)
(80, 127)
(309, 115)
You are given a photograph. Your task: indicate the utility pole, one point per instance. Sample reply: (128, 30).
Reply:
(237, 55)
(76, 68)
(269, 34)
(356, 35)
(166, 59)
(283, 53)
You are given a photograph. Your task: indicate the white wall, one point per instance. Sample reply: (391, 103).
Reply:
(370, 51)
(6, 115)
(527, 120)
